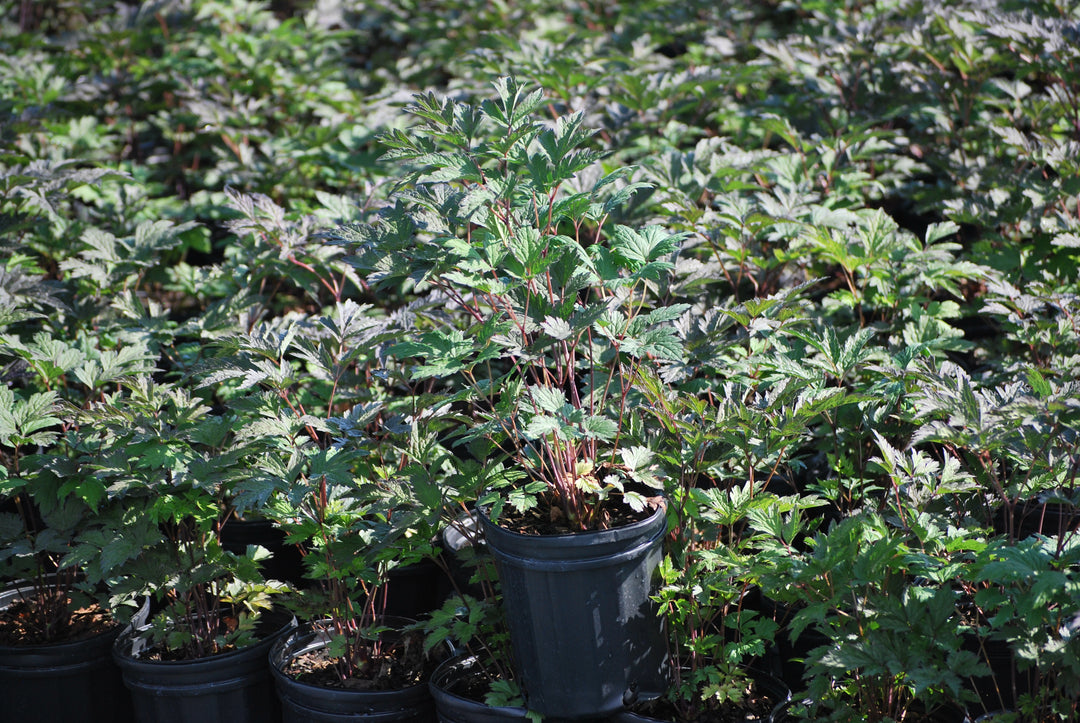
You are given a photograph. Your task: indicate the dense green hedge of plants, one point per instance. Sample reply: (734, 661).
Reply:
(245, 248)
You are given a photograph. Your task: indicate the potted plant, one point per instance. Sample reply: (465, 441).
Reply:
(452, 685)
(547, 316)
(351, 481)
(57, 623)
(170, 465)
(479, 682)
(719, 639)
(301, 368)
(710, 596)
(893, 636)
(359, 517)
(57, 618)
(1013, 441)
(1022, 600)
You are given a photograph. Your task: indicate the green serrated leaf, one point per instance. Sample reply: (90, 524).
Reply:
(549, 399)
(1038, 383)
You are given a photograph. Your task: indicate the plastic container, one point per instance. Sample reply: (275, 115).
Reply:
(768, 684)
(233, 687)
(286, 563)
(305, 703)
(586, 637)
(74, 681)
(452, 707)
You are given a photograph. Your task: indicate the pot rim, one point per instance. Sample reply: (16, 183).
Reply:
(128, 648)
(16, 588)
(463, 661)
(757, 674)
(279, 657)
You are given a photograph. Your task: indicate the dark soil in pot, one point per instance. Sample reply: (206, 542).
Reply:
(399, 662)
(20, 625)
(312, 690)
(548, 520)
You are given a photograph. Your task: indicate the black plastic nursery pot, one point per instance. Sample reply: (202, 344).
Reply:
(233, 687)
(414, 590)
(787, 651)
(777, 692)
(286, 563)
(586, 637)
(453, 707)
(1034, 516)
(1002, 687)
(74, 681)
(306, 703)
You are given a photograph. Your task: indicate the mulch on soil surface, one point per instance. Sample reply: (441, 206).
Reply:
(21, 624)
